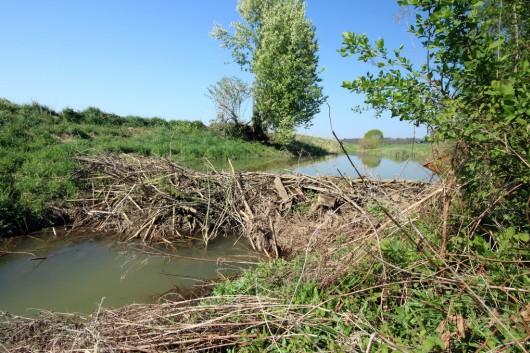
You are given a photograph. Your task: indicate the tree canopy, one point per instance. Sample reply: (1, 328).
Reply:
(473, 89)
(276, 42)
(372, 139)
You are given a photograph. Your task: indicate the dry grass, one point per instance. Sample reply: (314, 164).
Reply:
(184, 326)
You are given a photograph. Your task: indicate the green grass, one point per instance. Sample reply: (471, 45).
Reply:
(37, 146)
(389, 295)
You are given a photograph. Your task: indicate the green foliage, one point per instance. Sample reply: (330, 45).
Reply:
(473, 89)
(228, 95)
(374, 134)
(277, 44)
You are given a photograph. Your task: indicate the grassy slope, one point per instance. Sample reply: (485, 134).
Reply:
(330, 145)
(37, 146)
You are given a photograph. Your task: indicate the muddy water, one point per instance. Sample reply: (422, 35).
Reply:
(75, 273)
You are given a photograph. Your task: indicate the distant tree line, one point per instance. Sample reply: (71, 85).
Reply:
(389, 140)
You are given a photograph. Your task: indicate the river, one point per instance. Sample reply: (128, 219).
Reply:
(76, 272)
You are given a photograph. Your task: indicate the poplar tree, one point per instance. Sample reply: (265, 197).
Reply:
(276, 42)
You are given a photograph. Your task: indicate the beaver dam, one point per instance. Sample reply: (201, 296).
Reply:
(156, 200)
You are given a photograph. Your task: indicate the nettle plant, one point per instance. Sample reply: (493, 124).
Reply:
(473, 90)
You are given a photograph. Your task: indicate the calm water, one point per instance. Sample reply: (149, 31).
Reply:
(78, 270)
(368, 166)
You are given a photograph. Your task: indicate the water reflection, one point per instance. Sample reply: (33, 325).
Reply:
(371, 167)
(370, 161)
(368, 165)
(255, 164)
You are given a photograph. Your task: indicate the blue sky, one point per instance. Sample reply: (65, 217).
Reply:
(155, 58)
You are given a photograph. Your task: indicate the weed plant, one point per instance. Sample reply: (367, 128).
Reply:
(398, 292)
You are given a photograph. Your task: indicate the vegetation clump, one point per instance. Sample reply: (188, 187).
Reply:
(372, 139)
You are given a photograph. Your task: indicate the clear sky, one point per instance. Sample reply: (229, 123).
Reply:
(155, 58)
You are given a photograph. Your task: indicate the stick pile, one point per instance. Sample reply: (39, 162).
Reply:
(157, 200)
(218, 322)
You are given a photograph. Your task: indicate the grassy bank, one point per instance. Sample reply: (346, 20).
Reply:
(37, 145)
(330, 146)
(421, 153)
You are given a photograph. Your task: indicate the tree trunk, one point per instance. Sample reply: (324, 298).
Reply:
(257, 128)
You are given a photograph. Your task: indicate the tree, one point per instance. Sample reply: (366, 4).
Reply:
(277, 44)
(473, 89)
(228, 95)
(372, 139)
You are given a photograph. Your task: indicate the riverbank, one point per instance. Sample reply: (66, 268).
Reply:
(421, 152)
(316, 221)
(384, 280)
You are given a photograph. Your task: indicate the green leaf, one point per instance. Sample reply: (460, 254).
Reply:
(507, 90)
(495, 44)
(524, 237)
(380, 43)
